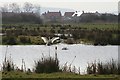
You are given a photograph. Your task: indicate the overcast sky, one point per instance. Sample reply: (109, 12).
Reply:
(60, 0)
(79, 5)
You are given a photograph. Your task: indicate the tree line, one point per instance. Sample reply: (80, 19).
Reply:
(101, 18)
(16, 8)
(14, 13)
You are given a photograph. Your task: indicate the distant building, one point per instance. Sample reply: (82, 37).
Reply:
(71, 16)
(78, 17)
(52, 16)
(90, 14)
(89, 17)
(68, 15)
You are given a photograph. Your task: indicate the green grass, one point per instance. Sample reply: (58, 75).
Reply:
(97, 26)
(52, 75)
(103, 26)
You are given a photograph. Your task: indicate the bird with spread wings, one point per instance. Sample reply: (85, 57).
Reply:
(49, 41)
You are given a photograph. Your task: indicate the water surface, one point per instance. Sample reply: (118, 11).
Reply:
(83, 53)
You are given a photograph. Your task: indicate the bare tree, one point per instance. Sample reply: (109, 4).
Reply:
(0, 9)
(14, 7)
(4, 8)
(37, 9)
(28, 7)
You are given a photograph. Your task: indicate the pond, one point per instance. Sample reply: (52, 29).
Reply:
(83, 53)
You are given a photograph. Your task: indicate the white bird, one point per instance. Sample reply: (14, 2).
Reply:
(44, 39)
(55, 39)
(50, 41)
(78, 13)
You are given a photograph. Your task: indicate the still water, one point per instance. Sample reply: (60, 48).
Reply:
(83, 53)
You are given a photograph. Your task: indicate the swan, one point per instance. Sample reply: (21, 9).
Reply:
(50, 41)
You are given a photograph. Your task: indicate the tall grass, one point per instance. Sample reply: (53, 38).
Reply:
(47, 65)
(8, 65)
(118, 67)
(110, 67)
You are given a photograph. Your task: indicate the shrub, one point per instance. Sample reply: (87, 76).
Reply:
(47, 65)
(9, 40)
(24, 39)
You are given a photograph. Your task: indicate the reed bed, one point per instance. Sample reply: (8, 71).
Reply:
(109, 67)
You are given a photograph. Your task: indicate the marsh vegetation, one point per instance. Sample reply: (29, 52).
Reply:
(95, 34)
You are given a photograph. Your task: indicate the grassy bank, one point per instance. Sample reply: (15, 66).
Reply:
(48, 68)
(59, 75)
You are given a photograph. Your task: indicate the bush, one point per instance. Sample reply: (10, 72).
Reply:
(24, 40)
(47, 65)
(36, 40)
(9, 40)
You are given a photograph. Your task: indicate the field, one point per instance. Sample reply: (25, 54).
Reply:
(102, 26)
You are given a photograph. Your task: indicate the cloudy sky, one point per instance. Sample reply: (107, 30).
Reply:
(60, 0)
(109, 6)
